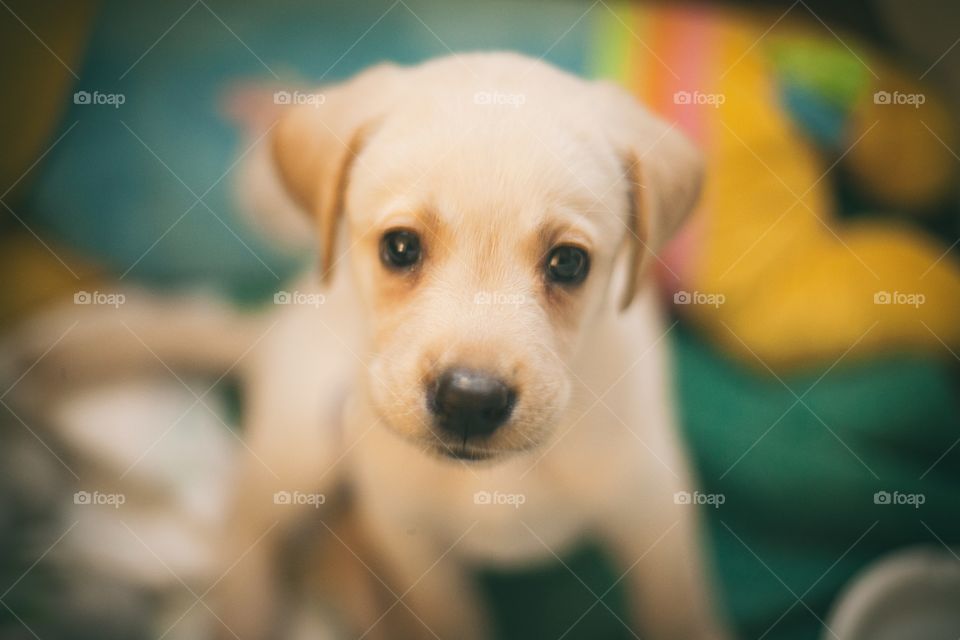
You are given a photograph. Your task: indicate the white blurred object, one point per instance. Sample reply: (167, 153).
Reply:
(314, 622)
(912, 594)
(168, 457)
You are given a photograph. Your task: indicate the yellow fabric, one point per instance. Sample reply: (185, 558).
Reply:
(907, 161)
(39, 278)
(37, 84)
(38, 87)
(799, 286)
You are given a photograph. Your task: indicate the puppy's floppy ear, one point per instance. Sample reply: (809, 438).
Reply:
(663, 171)
(315, 144)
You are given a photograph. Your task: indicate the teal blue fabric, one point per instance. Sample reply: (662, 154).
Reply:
(823, 122)
(801, 498)
(102, 192)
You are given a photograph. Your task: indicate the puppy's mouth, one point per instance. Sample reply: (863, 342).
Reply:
(473, 451)
(464, 452)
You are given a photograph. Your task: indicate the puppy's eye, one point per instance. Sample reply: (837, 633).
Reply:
(400, 249)
(567, 264)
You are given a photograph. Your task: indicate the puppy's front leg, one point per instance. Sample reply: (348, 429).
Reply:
(658, 544)
(286, 469)
(292, 458)
(432, 583)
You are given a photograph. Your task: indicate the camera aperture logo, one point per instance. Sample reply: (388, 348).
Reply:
(496, 498)
(709, 499)
(914, 500)
(899, 298)
(499, 99)
(299, 298)
(699, 297)
(114, 500)
(899, 98)
(499, 298)
(99, 298)
(299, 498)
(699, 98)
(298, 98)
(96, 98)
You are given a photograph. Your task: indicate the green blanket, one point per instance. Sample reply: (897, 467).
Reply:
(802, 476)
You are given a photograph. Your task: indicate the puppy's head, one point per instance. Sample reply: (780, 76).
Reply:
(484, 201)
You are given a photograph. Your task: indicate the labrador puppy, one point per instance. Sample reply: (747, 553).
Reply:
(484, 222)
(478, 356)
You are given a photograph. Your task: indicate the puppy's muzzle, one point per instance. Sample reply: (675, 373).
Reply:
(470, 404)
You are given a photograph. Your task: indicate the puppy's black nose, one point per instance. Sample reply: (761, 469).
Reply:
(470, 403)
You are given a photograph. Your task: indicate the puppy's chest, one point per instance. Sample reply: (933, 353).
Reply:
(513, 515)
(521, 510)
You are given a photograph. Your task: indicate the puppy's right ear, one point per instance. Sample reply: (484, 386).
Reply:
(315, 144)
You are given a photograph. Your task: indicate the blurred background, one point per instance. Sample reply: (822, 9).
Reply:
(817, 290)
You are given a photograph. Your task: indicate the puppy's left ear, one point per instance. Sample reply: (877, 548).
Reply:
(315, 145)
(663, 171)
